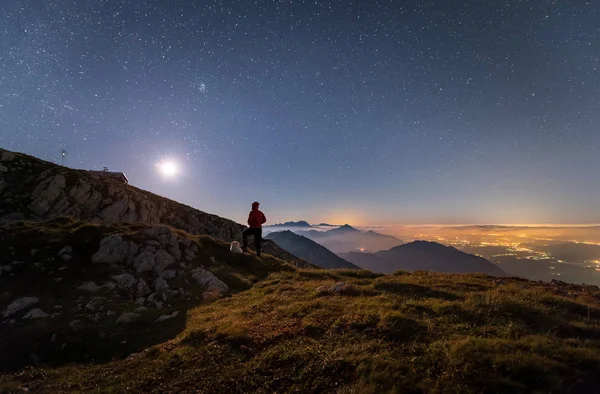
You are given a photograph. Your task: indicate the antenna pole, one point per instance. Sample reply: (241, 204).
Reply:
(62, 159)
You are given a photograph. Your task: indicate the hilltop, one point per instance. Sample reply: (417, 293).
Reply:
(423, 255)
(309, 250)
(354, 331)
(34, 189)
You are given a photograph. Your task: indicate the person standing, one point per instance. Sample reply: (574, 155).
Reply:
(255, 221)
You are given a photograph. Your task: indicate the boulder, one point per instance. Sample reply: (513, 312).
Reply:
(127, 317)
(35, 314)
(66, 250)
(113, 249)
(142, 289)
(19, 304)
(144, 261)
(92, 287)
(162, 260)
(125, 281)
(5, 269)
(210, 281)
(166, 317)
(96, 304)
(160, 285)
(168, 274)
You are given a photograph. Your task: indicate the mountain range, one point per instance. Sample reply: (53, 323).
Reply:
(347, 239)
(309, 250)
(423, 255)
(301, 223)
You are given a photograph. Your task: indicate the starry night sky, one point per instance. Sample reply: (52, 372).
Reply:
(367, 112)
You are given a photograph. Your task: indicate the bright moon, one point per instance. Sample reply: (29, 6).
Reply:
(168, 168)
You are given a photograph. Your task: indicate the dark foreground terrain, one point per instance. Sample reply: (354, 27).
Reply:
(280, 328)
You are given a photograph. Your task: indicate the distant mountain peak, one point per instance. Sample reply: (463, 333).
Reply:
(301, 223)
(344, 228)
(312, 251)
(423, 255)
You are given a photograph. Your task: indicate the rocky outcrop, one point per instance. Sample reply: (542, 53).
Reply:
(19, 305)
(31, 188)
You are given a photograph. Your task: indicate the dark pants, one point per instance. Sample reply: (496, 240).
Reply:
(257, 234)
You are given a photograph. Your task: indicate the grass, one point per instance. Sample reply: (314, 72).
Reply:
(92, 339)
(409, 332)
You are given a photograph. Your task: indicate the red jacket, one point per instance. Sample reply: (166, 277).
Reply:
(256, 218)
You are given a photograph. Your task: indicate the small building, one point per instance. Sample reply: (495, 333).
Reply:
(119, 176)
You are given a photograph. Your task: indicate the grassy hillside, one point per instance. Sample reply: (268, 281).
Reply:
(82, 325)
(358, 332)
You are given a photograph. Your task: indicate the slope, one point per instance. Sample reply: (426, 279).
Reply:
(35, 189)
(423, 255)
(309, 250)
(74, 291)
(356, 332)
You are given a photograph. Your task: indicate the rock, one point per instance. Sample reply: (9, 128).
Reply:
(157, 299)
(174, 251)
(127, 317)
(5, 269)
(111, 313)
(66, 257)
(166, 317)
(109, 285)
(162, 260)
(189, 255)
(66, 250)
(144, 261)
(160, 285)
(140, 301)
(140, 309)
(168, 274)
(162, 234)
(76, 325)
(338, 287)
(33, 252)
(6, 155)
(142, 289)
(96, 304)
(152, 243)
(210, 281)
(58, 280)
(113, 249)
(36, 314)
(92, 287)
(17, 263)
(125, 281)
(35, 359)
(20, 304)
